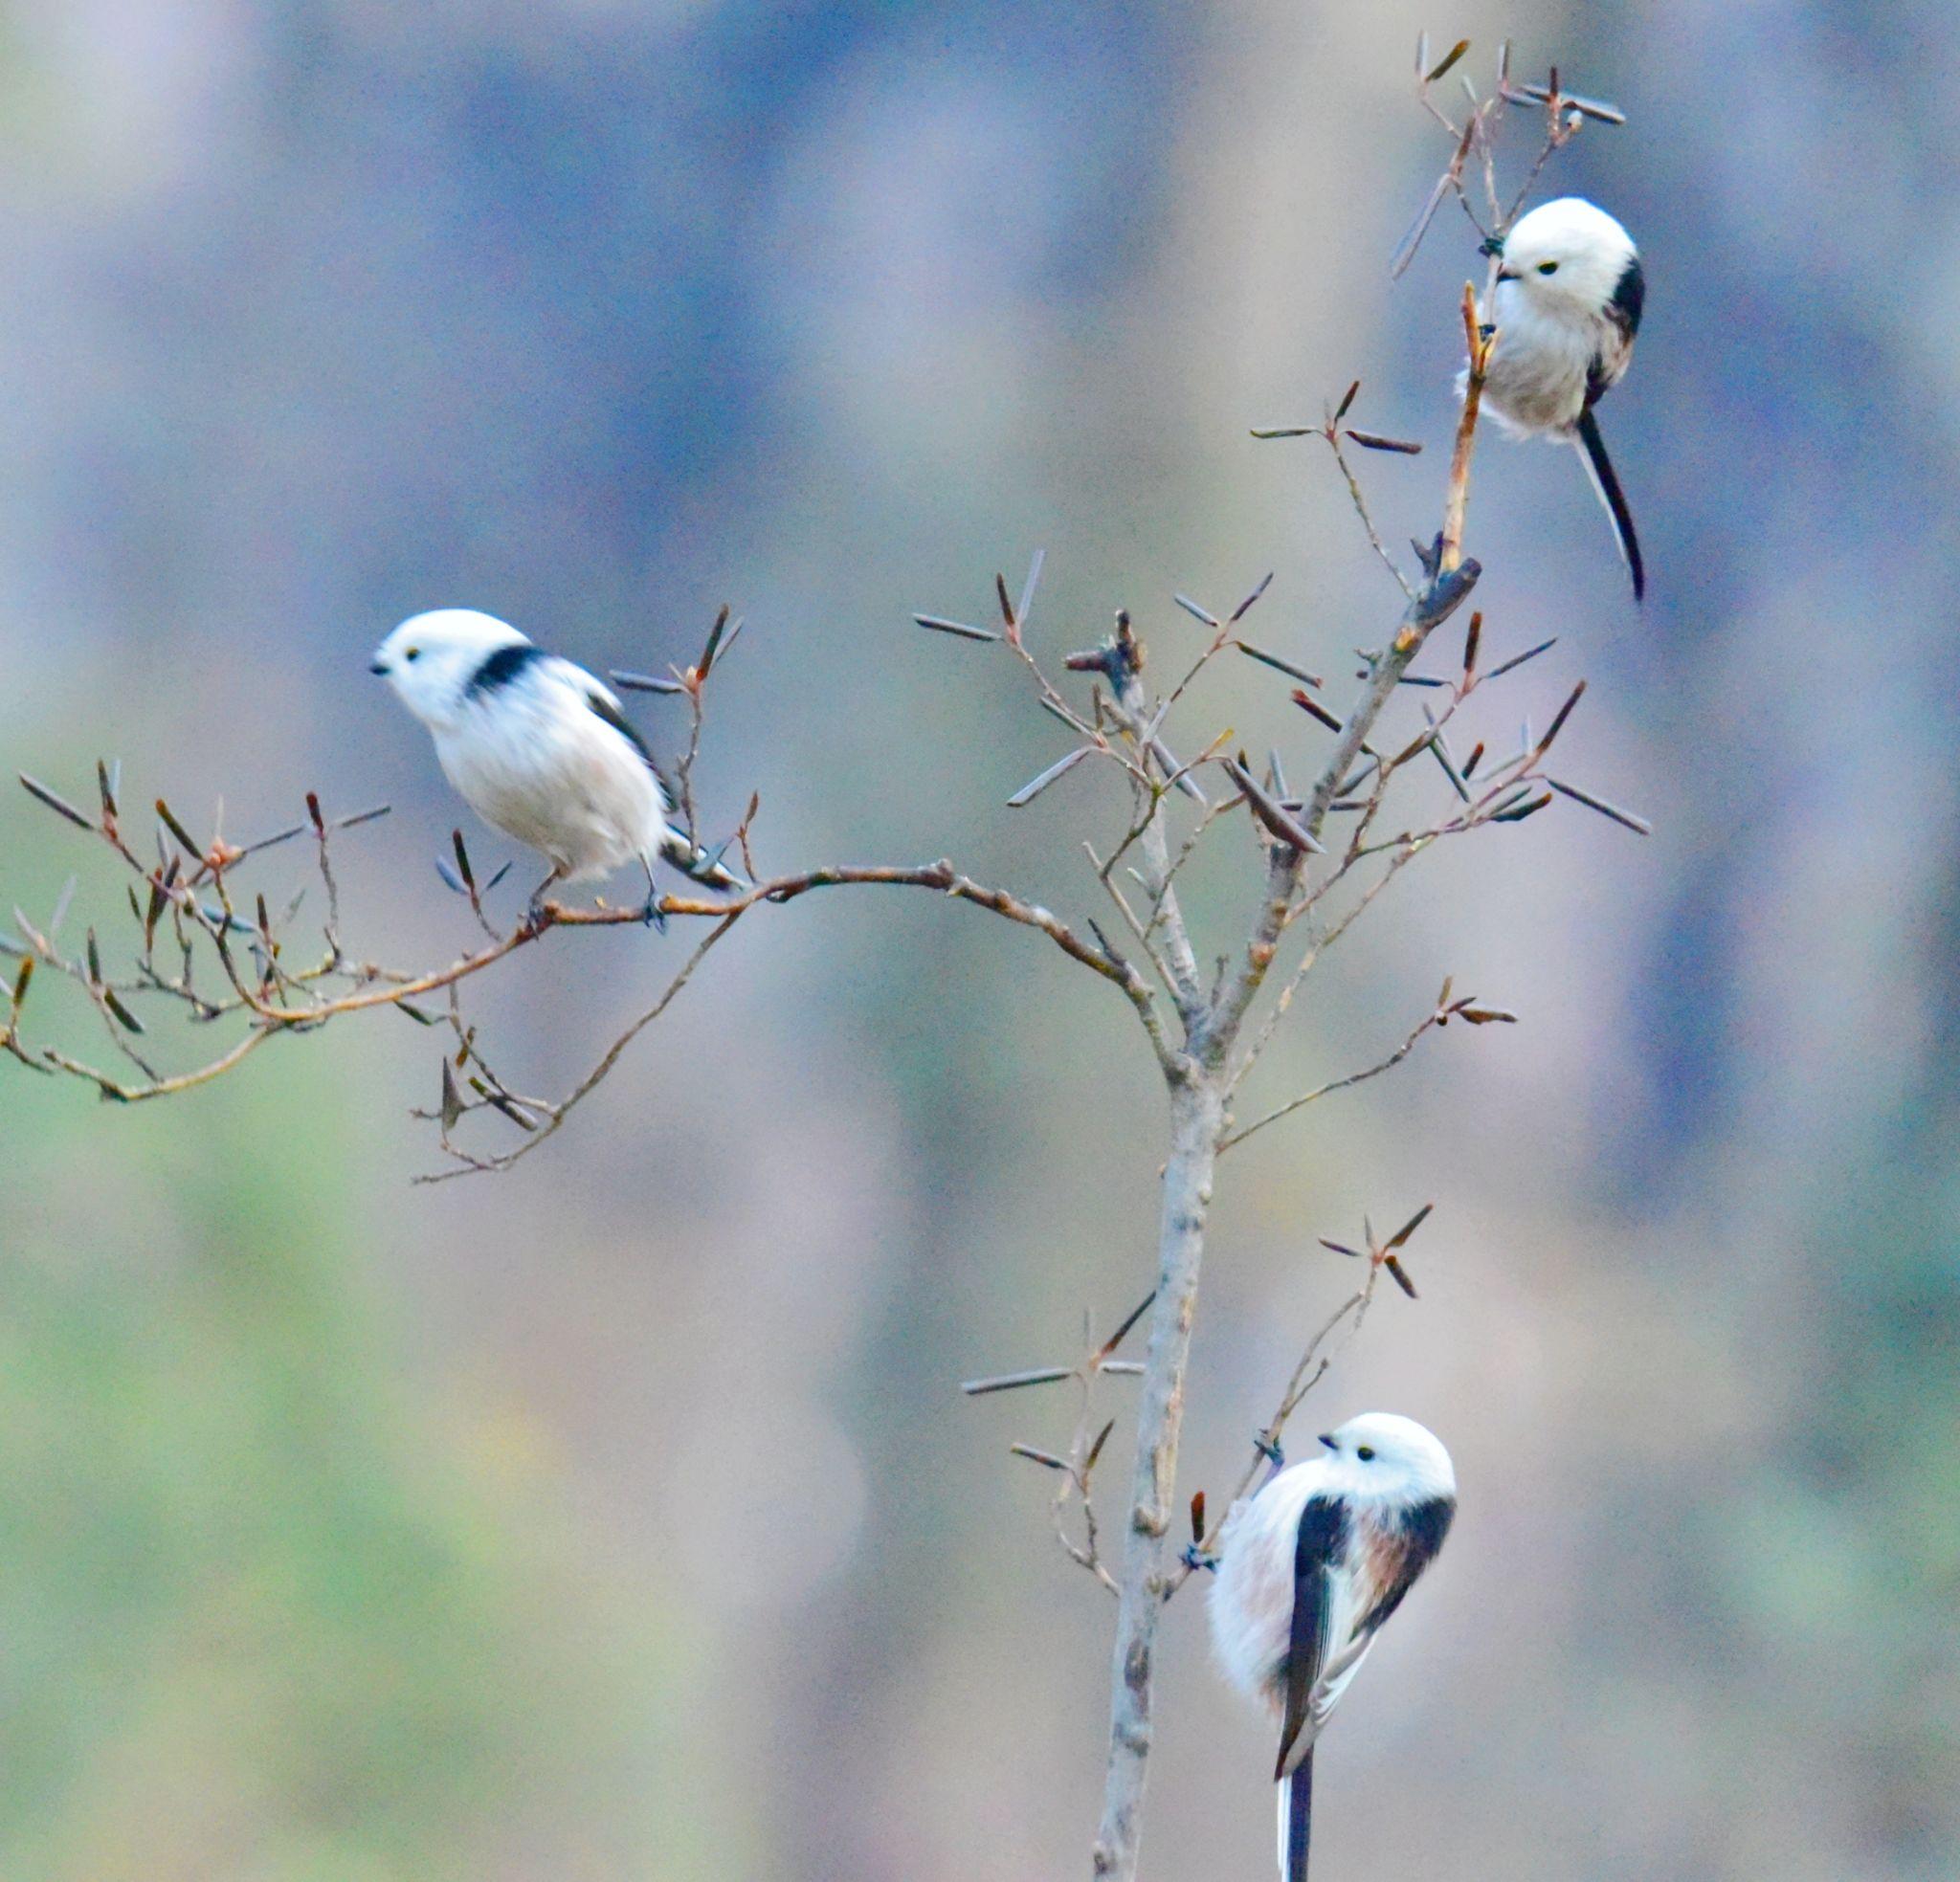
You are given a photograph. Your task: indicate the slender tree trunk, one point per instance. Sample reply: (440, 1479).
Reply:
(1196, 1122)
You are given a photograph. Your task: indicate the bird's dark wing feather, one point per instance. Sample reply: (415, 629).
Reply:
(1629, 299)
(1623, 317)
(1419, 1534)
(1600, 468)
(1318, 1546)
(502, 667)
(620, 723)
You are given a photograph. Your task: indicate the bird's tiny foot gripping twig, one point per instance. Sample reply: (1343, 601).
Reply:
(1196, 1558)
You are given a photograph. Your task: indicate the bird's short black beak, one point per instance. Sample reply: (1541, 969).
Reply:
(1331, 1442)
(1507, 274)
(377, 666)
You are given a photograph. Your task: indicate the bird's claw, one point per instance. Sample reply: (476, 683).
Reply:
(654, 916)
(1268, 1447)
(1484, 330)
(1196, 1559)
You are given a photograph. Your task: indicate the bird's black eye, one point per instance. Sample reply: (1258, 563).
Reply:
(1366, 1453)
(412, 653)
(1548, 268)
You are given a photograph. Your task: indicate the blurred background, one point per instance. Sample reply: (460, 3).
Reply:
(618, 1516)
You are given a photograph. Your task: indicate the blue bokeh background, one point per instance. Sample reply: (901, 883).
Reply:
(617, 1517)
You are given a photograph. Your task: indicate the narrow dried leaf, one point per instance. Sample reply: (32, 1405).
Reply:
(1374, 441)
(644, 682)
(1096, 1449)
(1313, 709)
(169, 822)
(1288, 666)
(1047, 1459)
(1518, 659)
(278, 836)
(1028, 587)
(128, 1020)
(1346, 399)
(60, 806)
(463, 859)
(451, 1098)
(939, 626)
(1198, 1518)
(1564, 713)
(1522, 812)
(1401, 1235)
(1405, 249)
(1035, 787)
(706, 663)
(1244, 607)
(1288, 829)
(1448, 60)
(1639, 825)
(1108, 1347)
(1290, 432)
(1013, 1381)
(1190, 606)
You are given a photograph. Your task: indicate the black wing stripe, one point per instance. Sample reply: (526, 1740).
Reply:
(502, 667)
(1321, 1542)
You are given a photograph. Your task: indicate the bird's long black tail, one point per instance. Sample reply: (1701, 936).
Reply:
(1600, 468)
(705, 866)
(1296, 1820)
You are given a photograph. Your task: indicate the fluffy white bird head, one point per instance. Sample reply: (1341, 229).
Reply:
(431, 658)
(1386, 1457)
(1566, 256)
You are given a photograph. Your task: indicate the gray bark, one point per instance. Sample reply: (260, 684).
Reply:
(1196, 1122)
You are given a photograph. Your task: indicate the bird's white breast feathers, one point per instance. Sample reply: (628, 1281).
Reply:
(1251, 1607)
(1542, 363)
(534, 758)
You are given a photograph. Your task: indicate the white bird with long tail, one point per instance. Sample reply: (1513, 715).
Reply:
(540, 750)
(1569, 294)
(1310, 1570)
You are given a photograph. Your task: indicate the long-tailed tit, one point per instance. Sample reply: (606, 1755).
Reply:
(1312, 1567)
(539, 749)
(1568, 304)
